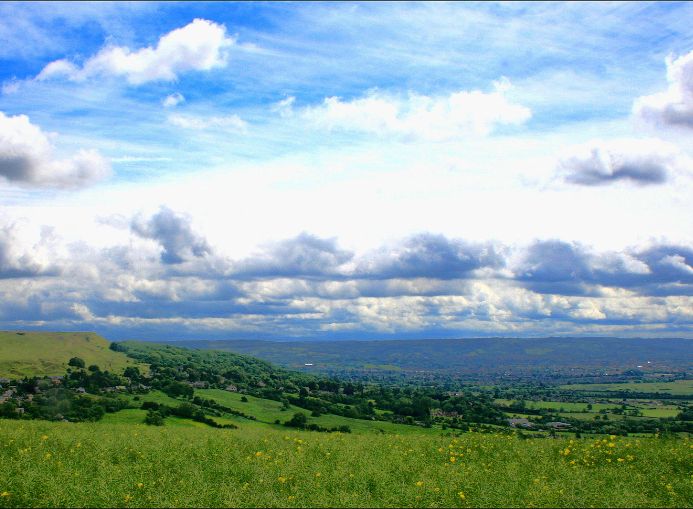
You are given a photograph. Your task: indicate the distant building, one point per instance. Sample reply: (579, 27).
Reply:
(558, 425)
(231, 388)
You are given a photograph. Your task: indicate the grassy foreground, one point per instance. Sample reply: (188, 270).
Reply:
(120, 465)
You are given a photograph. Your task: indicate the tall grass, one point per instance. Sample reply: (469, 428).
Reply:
(120, 465)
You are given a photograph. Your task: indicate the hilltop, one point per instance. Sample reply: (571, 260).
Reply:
(47, 353)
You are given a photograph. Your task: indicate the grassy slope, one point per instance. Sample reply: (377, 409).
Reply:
(267, 411)
(101, 465)
(47, 353)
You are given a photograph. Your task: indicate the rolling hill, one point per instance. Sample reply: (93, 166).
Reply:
(47, 353)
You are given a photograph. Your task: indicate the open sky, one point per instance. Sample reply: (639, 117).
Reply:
(347, 170)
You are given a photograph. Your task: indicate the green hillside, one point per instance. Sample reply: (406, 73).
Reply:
(47, 353)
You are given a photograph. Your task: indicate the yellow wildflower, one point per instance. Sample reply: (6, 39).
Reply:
(258, 454)
(140, 485)
(452, 459)
(5, 494)
(128, 498)
(620, 460)
(317, 474)
(419, 483)
(281, 479)
(461, 495)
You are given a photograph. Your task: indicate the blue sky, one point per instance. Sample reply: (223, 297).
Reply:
(347, 170)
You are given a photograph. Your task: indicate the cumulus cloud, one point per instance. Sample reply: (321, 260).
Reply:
(199, 46)
(431, 256)
(230, 122)
(18, 260)
(175, 235)
(642, 162)
(173, 100)
(417, 116)
(674, 106)
(26, 158)
(303, 255)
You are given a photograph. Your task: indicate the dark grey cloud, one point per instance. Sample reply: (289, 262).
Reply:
(555, 266)
(303, 256)
(175, 235)
(564, 268)
(429, 256)
(604, 165)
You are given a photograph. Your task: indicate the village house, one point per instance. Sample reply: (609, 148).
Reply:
(558, 425)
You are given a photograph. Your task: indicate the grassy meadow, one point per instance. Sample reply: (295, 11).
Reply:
(122, 465)
(47, 353)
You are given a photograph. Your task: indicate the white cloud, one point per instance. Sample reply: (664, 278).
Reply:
(198, 46)
(640, 161)
(173, 100)
(284, 107)
(229, 122)
(26, 158)
(417, 116)
(674, 106)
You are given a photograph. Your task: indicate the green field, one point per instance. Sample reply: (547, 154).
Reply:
(47, 353)
(557, 405)
(123, 465)
(678, 387)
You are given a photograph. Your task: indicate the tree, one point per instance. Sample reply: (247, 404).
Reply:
(132, 372)
(76, 362)
(299, 420)
(154, 418)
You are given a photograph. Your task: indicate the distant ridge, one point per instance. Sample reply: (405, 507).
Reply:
(468, 355)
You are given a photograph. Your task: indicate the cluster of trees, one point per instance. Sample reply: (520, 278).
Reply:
(300, 421)
(156, 413)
